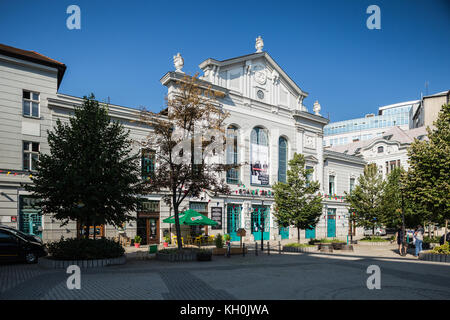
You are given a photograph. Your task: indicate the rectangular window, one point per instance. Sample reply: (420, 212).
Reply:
(147, 163)
(331, 187)
(352, 184)
(392, 165)
(30, 155)
(148, 206)
(309, 176)
(30, 104)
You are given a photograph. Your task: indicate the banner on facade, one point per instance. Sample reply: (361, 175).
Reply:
(260, 165)
(216, 215)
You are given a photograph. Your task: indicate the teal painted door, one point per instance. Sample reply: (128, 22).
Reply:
(310, 233)
(233, 221)
(260, 218)
(284, 232)
(331, 223)
(30, 220)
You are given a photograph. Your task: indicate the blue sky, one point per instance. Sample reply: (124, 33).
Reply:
(125, 47)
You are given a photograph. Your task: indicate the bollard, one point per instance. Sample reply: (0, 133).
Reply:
(268, 248)
(279, 247)
(256, 249)
(243, 249)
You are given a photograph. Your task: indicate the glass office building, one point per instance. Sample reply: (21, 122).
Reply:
(347, 131)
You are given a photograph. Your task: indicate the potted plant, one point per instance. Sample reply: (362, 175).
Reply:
(219, 249)
(219, 241)
(227, 238)
(137, 241)
(166, 241)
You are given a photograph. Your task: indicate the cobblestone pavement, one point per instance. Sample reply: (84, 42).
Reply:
(275, 276)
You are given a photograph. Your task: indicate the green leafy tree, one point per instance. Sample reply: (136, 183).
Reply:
(428, 180)
(90, 175)
(297, 201)
(391, 202)
(365, 199)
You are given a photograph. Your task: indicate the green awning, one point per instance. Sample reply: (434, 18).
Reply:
(192, 218)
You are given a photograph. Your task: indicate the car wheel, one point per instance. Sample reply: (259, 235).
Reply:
(31, 257)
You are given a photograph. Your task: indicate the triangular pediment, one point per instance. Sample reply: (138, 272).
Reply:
(261, 67)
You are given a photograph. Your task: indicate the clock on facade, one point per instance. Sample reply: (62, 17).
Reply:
(260, 94)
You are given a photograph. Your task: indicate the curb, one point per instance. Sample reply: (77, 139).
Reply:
(95, 263)
(381, 243)
(300, 249)
(176, 257)
(428, 256)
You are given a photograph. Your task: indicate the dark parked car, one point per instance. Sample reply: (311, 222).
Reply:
(18, 246)
(441, 240)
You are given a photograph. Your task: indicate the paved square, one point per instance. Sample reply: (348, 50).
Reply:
(286, 276)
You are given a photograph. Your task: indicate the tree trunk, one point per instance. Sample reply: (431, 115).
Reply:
(298, 234)
(446, 228)
(177, 222)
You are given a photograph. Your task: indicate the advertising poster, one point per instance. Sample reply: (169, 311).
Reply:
(260, 165)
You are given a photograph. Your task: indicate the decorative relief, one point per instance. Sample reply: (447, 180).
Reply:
(260, 77)
(310, 142)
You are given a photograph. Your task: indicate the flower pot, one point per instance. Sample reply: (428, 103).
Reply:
(137, 245)
(166, 244)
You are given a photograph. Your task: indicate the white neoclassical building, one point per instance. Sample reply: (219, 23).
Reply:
(268, 121)
(387, 151)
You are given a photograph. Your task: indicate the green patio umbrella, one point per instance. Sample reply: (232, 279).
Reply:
(192, 218)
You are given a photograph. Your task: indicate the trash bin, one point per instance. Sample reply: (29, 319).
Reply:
(153, 248)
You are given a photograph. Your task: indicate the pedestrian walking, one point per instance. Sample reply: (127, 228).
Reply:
(399, 235)
(418, 236)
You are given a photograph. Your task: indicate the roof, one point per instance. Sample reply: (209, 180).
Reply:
(442, 93)
(394, 134)
(330, 154)
(35, 57)
(399, 104)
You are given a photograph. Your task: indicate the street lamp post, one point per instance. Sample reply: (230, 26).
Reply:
(262, 225)
(403, 252)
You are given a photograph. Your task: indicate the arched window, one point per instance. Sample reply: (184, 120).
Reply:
(232, 154)
(259, 157)
(282, 159)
